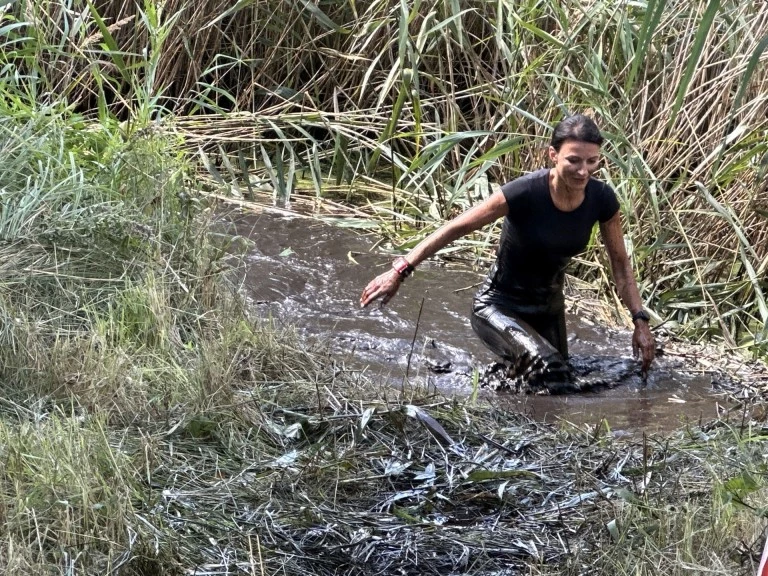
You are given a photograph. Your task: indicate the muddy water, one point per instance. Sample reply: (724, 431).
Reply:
(310, 275)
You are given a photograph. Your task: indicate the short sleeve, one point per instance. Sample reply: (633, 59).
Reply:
(516, 192)
(608, 204)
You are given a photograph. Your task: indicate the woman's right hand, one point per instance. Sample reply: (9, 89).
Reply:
(384, 286)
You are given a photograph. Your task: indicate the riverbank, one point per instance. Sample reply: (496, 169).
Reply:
(309, 471)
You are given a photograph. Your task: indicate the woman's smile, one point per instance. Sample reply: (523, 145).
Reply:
(575, 162)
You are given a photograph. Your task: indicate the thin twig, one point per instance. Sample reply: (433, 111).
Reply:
(413, 340)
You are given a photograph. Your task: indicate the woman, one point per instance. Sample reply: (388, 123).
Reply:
(519, 313)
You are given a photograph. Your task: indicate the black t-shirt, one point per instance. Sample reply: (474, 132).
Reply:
(538, 240)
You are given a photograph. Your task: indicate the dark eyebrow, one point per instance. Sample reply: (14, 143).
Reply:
(577, 157)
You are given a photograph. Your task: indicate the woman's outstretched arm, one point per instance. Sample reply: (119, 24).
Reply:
(643, 344)
(385, 285)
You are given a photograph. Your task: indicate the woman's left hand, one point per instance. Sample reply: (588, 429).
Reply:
(643, 345)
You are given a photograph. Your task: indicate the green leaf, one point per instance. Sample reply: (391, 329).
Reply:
(110, 42)
(404, 515)
(229, 12)
(502, 147)
(654, 10)
(754, 60)
(746, 251)
(742, 484)
(538, 32)
(200, 427)
(321, 17)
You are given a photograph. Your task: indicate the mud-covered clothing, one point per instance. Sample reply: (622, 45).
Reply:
(530, 344)
(538, 240)
(519, 311)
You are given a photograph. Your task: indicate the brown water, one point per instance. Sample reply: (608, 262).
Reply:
(310, 274)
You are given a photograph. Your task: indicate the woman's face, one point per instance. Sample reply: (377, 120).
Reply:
(575, 162)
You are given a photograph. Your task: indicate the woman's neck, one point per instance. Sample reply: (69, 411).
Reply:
(564, 197)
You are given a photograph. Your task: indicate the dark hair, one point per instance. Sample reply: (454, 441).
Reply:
(577, 127)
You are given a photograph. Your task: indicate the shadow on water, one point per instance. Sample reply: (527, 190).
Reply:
(310, 275)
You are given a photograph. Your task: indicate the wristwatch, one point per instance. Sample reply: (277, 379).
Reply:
(402, 267)
(641, 315)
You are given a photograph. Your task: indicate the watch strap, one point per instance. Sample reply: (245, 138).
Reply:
(402, 267)
(641, 315)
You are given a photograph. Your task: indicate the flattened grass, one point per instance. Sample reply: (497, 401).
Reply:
(319, 476)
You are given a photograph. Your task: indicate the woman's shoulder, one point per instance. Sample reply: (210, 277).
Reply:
(602, 199)
(527, 182)
(536, 175)
(600, 192)
(525, 191)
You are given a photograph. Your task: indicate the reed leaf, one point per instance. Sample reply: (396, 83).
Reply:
(700, 38)
(654, 10)
(746, 251)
